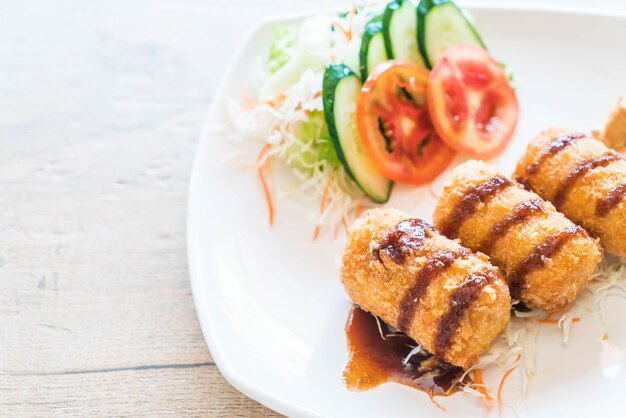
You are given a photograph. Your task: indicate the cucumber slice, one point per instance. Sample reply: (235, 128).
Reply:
(372, 46)
(400, 31)
(341, 89)
(441, 24)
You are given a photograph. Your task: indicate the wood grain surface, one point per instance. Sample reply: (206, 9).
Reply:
(101, 106)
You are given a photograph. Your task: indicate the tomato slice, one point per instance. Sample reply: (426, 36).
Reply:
(394, 124)
(471, 103)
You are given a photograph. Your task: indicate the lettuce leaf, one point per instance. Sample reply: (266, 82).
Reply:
(282, 47)
(316, 145)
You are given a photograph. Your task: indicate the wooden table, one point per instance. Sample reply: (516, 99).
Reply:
(101, 105)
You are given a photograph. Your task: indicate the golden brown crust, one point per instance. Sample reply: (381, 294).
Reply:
(567, 271)
(579, 203)
(614, 133)
(380, 286)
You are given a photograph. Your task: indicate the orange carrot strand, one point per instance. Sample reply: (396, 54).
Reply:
(266, 190)
(549, 320)
(480, 384)
(268, 197)
(325, 195)
(431, 396)
(506, 374)
(358, 211)
(342, 30)
(316, 233)
(351, 20)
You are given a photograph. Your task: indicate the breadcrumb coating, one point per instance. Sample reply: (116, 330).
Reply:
(376, 282)
(519, 230)
(603, 183)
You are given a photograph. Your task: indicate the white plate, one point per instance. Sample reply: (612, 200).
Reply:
(269, 300)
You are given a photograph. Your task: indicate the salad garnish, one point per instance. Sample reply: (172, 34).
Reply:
(348, 105)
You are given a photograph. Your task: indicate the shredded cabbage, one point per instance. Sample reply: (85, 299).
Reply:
(314, 146)
(282, 47)
(522, 331)
(288, 115)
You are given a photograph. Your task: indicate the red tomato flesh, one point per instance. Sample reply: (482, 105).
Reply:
(395, 127)
(472, 105)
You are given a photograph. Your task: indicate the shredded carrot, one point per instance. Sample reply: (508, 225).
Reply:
(248, 102)
(274, 101)
(317, 94)
(344, 221)
(358, 211)
(316, 232)
(342, 30)
(266, 190)
(480, 385)
(347, 32)
(351, 19)
(325, 195)
(605, 336)
(431, 396)
(549, 320)
(506, 374)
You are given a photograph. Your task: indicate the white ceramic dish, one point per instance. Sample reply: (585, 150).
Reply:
(269, 300)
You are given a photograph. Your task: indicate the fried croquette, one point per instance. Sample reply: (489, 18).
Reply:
(546, 259)
(614, 133)
(449, 300)
(583, 178)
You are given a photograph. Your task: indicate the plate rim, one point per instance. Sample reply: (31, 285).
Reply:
(203, 310)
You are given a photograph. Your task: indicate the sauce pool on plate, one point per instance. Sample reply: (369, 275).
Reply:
(377, 354)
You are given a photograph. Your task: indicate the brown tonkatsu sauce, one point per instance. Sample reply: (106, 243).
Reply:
(518, 215)
(408, 235)
(553, 148)
(469, 202)
(610, 200)
(377, 353)
(580, 170)
(460, 300)
(435, 265)
(537, 258)
(520, 307)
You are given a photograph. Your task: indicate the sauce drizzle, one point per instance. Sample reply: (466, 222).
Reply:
(518, 215)
(579, 171)
(408, 235)
(435, 265)
(553, 148)
(377, 354)
(460, 300)
(470, 200)
(537, 258)
(610, 200)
